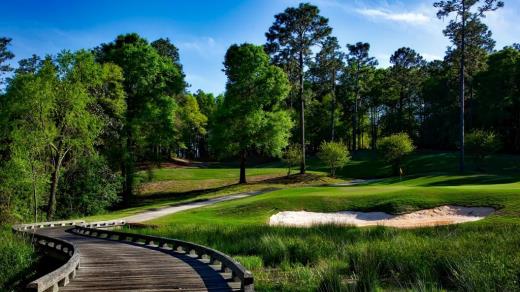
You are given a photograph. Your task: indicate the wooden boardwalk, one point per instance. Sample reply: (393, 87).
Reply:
(108, 265)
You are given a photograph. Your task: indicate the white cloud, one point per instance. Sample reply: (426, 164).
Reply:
(201, 45)
(405, 17)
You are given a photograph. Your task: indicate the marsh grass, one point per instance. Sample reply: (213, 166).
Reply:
(469, 257)
(17, 258)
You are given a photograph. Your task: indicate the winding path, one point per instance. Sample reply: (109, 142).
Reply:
(122, 265)
(150, 215)
(108, 265)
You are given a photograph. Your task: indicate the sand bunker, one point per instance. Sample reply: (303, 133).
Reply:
(443, 215)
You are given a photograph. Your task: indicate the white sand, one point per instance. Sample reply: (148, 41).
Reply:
(443, 215)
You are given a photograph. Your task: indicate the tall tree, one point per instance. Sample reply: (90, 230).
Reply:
(499, 97)
(29, 65)
(291, 37)
(191, 123)
(55, 108)
(359, 65)
(328, 64)
(251, 117)
(406, 74)
(5, 55)
(207, 104)
(151, 82)
(463, 13)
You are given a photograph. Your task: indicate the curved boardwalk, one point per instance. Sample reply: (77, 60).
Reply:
(108, 265)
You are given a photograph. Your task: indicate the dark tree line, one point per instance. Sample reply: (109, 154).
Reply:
(423, 99)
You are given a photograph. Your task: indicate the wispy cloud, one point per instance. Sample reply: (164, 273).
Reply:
(405, 17)
(200, 45)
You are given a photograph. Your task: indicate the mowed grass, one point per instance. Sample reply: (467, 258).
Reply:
(478, 256)
(154, 201)
(170, 180)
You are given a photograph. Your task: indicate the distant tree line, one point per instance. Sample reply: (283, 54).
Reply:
(76, 127)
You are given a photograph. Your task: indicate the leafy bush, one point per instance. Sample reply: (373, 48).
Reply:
(292, 157)
(482, 143)
(394, 148)
(89, 187)
(334, 155)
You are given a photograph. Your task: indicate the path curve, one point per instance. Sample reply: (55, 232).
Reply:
(108, 265)
(154, 214)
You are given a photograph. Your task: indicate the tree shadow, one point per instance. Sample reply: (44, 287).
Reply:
(484, 179)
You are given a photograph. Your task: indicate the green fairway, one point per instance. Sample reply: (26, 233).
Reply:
(367, 258)
(204, 173)
(170, 180)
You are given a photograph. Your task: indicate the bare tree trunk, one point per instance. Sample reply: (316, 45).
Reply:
(333, 107)
(302, 116)
(462, 65)
(355, 129)
(51, 206)
(35, 202)
(243, 179)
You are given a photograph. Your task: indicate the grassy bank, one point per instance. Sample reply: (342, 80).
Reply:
(476, 256)
(17, 259)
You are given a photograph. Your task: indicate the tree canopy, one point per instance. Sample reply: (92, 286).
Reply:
(250, 116)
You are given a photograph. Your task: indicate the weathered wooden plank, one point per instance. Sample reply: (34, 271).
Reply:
(108, 265)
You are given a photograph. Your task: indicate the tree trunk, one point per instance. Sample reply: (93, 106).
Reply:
(34, 192)
(333, 106)
(243, 179)
(51, 206)
(401, 115)
(462, 65)
(302, 116)
(355, 117)
(128, 169)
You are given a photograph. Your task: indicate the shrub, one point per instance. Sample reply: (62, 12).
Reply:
(292, 157)
(334, 155)
(89, 187)
(482, 143)
(394, 148)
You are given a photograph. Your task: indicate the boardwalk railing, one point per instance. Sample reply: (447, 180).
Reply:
(62, 275)
(227, 264)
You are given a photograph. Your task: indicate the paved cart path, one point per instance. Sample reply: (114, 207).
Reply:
(154, 214)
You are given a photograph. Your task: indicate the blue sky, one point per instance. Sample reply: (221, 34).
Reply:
(203, 30)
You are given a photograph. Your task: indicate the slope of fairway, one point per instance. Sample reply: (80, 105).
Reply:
(385, 196)
(481, 255)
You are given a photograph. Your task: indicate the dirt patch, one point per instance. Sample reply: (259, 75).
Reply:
(443, 215)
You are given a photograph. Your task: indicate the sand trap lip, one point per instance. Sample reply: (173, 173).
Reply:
(443, 215)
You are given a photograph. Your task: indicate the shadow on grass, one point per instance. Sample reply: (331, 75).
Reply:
(476, 180)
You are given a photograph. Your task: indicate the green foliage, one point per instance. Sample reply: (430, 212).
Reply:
(499, 96)
(395, 148)
(52, 117)
(191, 123)
(292, 156)
(88, 187)
(289, 42)
(481, 144)
(17, 257)
(5, 55)
(334, 155)
(250, 117)
(152, 80)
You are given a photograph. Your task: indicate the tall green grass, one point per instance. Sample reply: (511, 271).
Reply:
(469, 257)
(17, 257)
